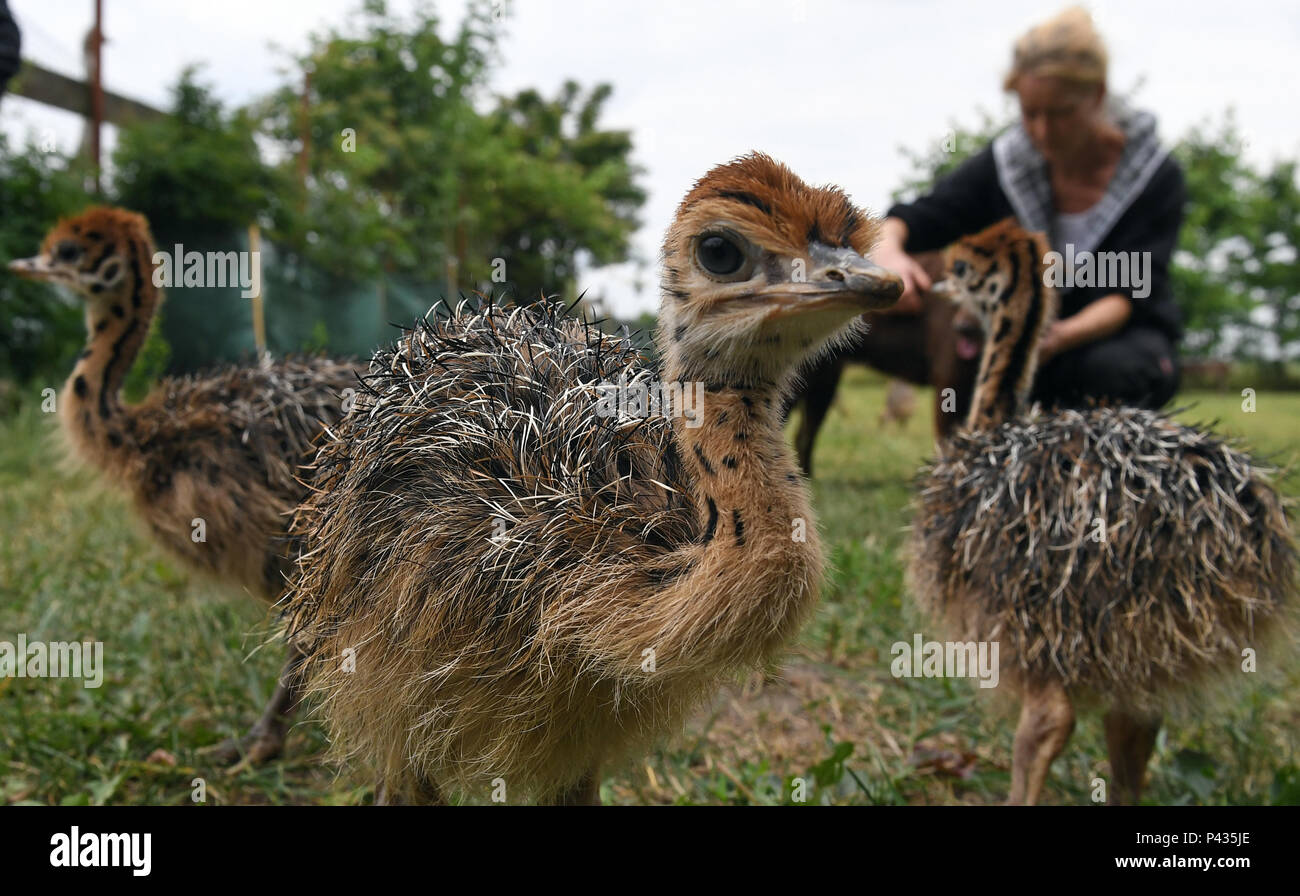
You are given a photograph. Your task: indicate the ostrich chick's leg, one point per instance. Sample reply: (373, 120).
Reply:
(265, 740)
(428, 794)
(585, 793)
(1130, 738)
(1046, 722)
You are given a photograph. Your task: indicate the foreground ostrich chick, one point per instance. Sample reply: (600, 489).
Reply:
(223, 446)
(502, 587)
(1116, 556)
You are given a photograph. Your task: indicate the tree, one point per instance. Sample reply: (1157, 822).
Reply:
(1207, 265)
(945, 153)
(571, 190)
(395, 149)
(196, 174)
(1270, 274)
(405, 177)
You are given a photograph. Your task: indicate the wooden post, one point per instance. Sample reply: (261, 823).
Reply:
(97, 89)
(461, 249)
(304, 132)
(50, 88)
(255, 257)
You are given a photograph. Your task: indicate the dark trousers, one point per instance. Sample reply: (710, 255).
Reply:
(1137, 366)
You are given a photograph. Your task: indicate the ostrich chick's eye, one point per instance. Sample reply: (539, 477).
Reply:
(67, 251)
(719, 255)
(959, 268)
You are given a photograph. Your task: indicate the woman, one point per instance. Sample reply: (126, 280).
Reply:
(1092, 175)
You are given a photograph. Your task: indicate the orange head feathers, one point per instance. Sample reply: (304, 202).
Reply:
(996, 271)
(777, 208)
(762, 271)
(92, 253)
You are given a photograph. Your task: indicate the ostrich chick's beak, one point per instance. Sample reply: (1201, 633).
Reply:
(34, 268)
(839, 280)
(944, 289)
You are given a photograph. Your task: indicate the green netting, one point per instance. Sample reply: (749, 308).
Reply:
(209, 325)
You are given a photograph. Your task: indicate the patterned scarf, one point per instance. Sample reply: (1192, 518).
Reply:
(1022, 174)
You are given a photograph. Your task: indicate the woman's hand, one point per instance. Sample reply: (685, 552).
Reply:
(889, 254)
(1053, 341)
(1098, 320)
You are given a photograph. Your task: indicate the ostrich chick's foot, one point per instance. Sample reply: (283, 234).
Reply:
(260, 745)
(265, 740)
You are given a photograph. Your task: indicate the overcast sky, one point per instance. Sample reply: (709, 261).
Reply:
(831, 87)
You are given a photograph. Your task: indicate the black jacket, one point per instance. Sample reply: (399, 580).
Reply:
(10, 46)
(971, 198)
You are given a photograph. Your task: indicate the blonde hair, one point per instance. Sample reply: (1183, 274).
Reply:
(1066, 46)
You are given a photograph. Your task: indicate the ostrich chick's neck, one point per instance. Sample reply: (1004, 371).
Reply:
(741, 465)
(756, 568)
(117, 322)
(1006, 374)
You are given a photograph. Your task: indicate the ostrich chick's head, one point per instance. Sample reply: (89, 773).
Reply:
(996, 278)
(761, 271)
(95, 254)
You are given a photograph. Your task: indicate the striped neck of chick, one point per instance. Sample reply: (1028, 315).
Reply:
(761, 273)
(996, 276)
(105, 255)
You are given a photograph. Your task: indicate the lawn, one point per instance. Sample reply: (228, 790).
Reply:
(187, 663)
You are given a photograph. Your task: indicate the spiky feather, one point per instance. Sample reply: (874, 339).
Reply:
(491, 418)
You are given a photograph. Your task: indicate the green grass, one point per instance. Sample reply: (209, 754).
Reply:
(186, 665)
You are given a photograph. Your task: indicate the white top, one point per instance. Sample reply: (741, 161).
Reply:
(1069, 228)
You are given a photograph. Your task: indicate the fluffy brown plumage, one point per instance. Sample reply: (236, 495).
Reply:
(222, 446)
(1114, 554)
(1132, 556)
(462, 495)
(502, 582)
(226, 445)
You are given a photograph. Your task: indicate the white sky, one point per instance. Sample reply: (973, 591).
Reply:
(831, 87)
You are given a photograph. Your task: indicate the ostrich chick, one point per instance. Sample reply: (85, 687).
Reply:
(1114, 555)
(222, 447)
(900, 403)
(503, 583)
